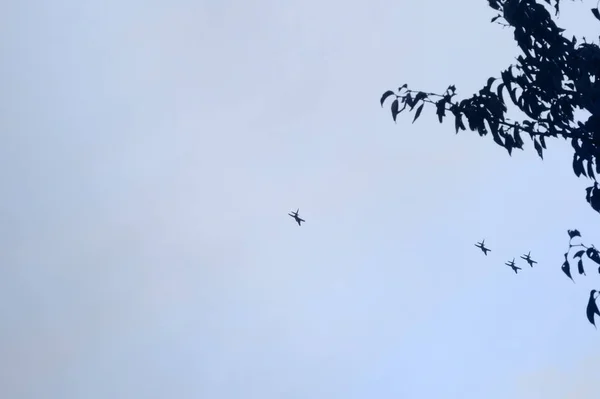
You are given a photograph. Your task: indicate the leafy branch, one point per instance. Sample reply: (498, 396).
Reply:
(553, 77)
(590, 251)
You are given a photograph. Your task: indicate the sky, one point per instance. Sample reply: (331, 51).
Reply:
(152, 150)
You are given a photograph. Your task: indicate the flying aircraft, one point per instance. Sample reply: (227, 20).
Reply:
(592, 307)
(528, 259)
(481, 245)
(296, 217)
(512, 265)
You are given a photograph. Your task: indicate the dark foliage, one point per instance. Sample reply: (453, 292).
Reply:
(578, 256)
(592, 308)
(553, 77)
(580, 252)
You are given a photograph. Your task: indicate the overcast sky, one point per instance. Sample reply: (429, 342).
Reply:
(151, 151)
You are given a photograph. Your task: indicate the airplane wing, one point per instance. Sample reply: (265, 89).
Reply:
(302, 220)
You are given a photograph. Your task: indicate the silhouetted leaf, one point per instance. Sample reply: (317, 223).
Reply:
(418, 112)
(458, 123)
(593, 254)
(495, 4)
(420, 96)
(385, 96)
(496, 135)
(596, 13)
(408, 100)
(395, 111)
(499, 92)
(595, 199)
(507, 79)
(509, 144)
(588, 194)
(538, 148)
(440, 109)
(518, 140)
(579, 254)
(592, 308)
(590, 169)
(577, 165)
(573, 233)
(580, 267)
(566, 268)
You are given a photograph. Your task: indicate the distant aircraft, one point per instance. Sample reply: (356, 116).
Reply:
(592, 308)
(481, 245)
(296, 217)
(512, 265)
(528, 259)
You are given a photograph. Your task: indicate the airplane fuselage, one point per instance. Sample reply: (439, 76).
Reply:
(296, 218)
(482, 247)
(528, 260)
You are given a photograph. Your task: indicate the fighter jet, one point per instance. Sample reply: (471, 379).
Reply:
(592, 307)
(512, 265)
(528, 259)
(481, 245)
(296, 217)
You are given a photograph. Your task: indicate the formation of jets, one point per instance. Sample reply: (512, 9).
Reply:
(511, 264)
(592, 307)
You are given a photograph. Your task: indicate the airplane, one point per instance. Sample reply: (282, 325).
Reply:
(512, 264)
(481, 245)
(528, 259)
(296, 217)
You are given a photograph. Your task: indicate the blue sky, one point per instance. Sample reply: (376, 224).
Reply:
(151, 151)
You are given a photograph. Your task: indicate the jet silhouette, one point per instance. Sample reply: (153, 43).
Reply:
(296, 217)
(512, 265)
(528, 259)
(481, 245)
(592, 308)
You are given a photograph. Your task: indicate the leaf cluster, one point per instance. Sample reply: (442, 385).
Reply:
(552, 78)
(580, 250)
